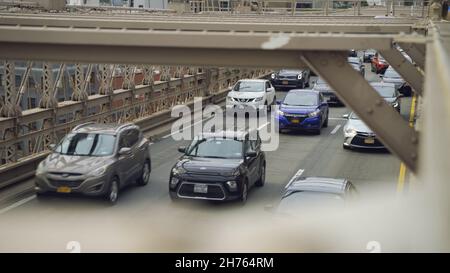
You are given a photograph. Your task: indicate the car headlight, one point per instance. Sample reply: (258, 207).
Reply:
(259, 99)
(280, 113)
(300, 76)
(232, 185)
(98, 172)
(395, 104)
(272, 76)
(314, 114)
(40, 169)
(177, 171)
(230, 99)
(349, 132)
(174, 181)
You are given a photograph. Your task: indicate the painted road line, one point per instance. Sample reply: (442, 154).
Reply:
(17, 204)
(179, 131)
(402, 172)
(335, 129)
(297, 175)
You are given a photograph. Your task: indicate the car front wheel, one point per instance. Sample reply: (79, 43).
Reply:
(113, 192)
(145, 176)
(262, 176)
(244, 193)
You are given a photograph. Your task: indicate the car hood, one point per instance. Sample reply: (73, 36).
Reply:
(358, 125)
(245, 95)
(297, 109)
(74, 164)
(393, 80)
(217, 166)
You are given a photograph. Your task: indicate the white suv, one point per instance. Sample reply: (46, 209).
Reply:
(251, 93)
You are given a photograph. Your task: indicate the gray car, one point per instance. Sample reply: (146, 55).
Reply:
(96, 160)
(389, 93)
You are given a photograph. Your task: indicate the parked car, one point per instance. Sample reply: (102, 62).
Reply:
(290, 79)
(391, 76)
(303, 109)
(328, 93)
(357, 64)
(305, 193)
(251, 93)
(379, 64)
(96, 160)
(358, 135)
(389, 93)
(219, 166)
(368, 55)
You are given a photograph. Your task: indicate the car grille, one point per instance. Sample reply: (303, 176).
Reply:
(242, 100)
(65, 174)
(215, 192)
(287, 77)
(360, 137)
(300, 117)
(65, 183)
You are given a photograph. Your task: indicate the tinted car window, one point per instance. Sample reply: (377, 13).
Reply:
(216, 148)
(300, 99)
(128, 138)
(85, 144)
(267, 85)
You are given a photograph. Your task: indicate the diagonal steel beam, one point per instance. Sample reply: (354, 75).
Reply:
(405, 68)
(416, 52)
(357, 93)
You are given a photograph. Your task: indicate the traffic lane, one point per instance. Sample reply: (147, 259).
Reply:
(74, 217)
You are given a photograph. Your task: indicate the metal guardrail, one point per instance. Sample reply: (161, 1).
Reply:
(211, 93)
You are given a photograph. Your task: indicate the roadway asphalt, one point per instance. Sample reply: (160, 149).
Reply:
(49, 224)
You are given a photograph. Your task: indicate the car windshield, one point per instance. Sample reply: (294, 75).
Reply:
(290, 71)
(385, 91)
(85, 144)
(249, 86)
(353, 60)
(215, 148)
(391, 73)
(301, 99)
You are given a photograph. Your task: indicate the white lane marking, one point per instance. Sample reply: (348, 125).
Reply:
(176, 132)
(335, 129)
(264, 125)
(337, 118)
(297, 175)
(17, 204)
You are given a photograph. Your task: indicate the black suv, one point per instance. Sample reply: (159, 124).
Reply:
(290, 79)
(219, 166)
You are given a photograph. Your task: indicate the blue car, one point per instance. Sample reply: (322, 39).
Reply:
(303, 109)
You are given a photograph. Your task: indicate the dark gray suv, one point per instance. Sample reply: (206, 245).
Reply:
(96, 160)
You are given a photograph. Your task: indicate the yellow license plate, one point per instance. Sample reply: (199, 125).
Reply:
(369, 140)
(64, 189)
(295, 121)
(285, 82)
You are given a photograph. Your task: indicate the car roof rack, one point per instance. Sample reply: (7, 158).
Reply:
(124, 126)
(82, 125)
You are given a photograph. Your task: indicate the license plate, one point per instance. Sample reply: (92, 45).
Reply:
(285, 82)
(200, 188)
(64, 189)
(369, 140)
(295, 120)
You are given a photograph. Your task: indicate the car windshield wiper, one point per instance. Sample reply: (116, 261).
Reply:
(213, 156)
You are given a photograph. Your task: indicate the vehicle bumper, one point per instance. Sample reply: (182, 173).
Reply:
(279, 84)
(304, 123)
(91, 186)
(360, 142)
(233, 106)
(216, 191)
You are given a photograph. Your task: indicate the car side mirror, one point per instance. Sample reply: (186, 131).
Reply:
(52, 146)
(381, 75)
(251, 154)
(182, 149)
(125, 151)
(345, 116)
(279, 102)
